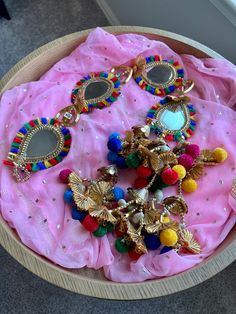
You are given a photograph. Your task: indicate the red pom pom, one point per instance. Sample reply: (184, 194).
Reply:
(169, 137)
(186, 161)
(90, 223)
(64, 175)
(134, 256)
(144, 172)
(140, 183)
(169, 176)
(119, 233)
(193, 150)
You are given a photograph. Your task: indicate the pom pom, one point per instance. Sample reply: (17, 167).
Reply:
(109, 227)
(186, 161)
(121, 245)
(119, 233)
(220, 154)
(144, 172)
(133, 160)
(169, 176)
(64, 175)
(189, 185)
(140, 183)
(115, 145)
(168, 237)
(193, 150)
(158, 184)
(165, 219)
(90, 223)
(180, 170)
(114, 135)
(120, 162)
(100, 232)
(152, 241)
(112, 157)
(165, 249)
(134, 255)
(68, 196)
(118, 193)
(78, 214)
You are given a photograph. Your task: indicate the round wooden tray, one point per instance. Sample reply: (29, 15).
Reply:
(87, 281)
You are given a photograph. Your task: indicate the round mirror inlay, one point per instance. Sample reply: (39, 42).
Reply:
(157, 76)
(101, 90)
(172, 119)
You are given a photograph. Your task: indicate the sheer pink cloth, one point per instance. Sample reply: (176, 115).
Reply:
(36, 209)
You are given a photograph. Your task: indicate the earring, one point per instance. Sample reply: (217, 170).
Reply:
(157, 76)
(44, 142)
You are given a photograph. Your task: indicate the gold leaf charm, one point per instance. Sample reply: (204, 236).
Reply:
(139, 66)
(188, 243)
(136, 238)
(102, 212)
(233, 190)
(168, 158)
(99, 190)
(74, 178)
(196, 171)
(129, 136)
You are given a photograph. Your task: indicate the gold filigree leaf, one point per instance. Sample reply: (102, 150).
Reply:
(233, 189)
(150, 217)
(136, 237)
(156, 163)
(129, 135)
(188, 242)
(102, 213)
(154, 228)
(196, 171)
(74, 178)
(83, 201)
(171, 225)
(206, 155)
(144, 142)
(98, 190)
(168, 158)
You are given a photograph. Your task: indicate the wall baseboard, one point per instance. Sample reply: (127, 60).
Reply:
(110, 15)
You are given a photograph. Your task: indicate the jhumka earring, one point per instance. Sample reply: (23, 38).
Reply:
(44, 142)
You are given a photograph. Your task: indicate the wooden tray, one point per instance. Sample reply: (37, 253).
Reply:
(87, 281)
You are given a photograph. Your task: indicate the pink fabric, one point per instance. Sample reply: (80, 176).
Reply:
(36, 209)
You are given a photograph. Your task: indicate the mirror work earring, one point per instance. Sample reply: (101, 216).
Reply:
(44, 142)
(173, 118)
(157, 76)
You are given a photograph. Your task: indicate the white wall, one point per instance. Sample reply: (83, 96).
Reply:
(196, 19)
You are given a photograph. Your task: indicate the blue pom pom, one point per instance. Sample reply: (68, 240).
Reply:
(78, 214)
(165, 249)
(121, 163)
(118, 193)
(68, 196)
(114, 134)
(152, 241)
(112, 157)
(114, 144)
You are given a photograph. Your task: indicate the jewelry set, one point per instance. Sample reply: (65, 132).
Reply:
(141, 219)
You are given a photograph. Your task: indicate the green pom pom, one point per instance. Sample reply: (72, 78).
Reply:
(133, 160)
(158, 184)
(100, 232)
(110, 227)
(121, 245)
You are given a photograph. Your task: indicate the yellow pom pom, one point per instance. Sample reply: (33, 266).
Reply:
(168, 237)
(220, 154)
(189, 185)
(165, 219)
(180, 170)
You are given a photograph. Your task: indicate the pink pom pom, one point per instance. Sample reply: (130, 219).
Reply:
(186, 161)
(193, 150)
(64, 175)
